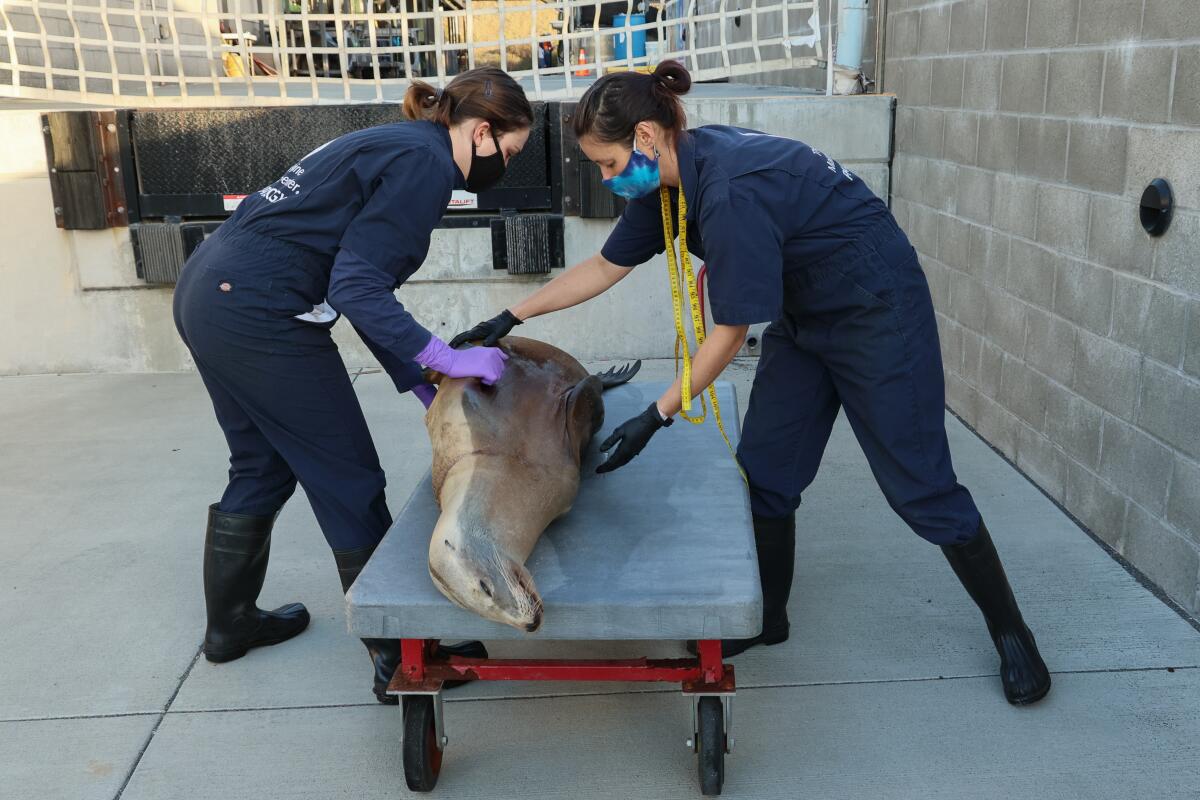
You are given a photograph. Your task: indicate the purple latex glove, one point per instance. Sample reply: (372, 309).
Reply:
(485, 363)
(425, 392)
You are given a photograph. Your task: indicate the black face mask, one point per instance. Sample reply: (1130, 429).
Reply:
(486, 171)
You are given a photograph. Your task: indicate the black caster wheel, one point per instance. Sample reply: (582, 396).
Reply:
(710, 745)
(422, 756)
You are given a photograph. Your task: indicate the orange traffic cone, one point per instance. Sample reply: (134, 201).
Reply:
(583, 71)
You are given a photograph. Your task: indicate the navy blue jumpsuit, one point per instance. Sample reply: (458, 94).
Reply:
(792, 238)
(337, 233)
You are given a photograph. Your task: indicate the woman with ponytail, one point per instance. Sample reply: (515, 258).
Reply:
(336, 235)
(792, 238)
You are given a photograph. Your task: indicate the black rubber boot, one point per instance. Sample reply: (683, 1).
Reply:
(236, 550)
(1022, 671)
(775, 541)
(385, 653)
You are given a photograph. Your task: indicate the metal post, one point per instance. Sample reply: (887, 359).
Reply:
(412, 659)
(828, 47)
(711, 668)
(880, 41)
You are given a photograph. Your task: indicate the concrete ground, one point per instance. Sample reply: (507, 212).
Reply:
(887, 688)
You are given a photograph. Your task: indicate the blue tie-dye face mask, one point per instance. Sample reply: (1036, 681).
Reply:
(639, 178)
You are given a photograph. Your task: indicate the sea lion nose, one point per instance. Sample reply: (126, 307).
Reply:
(537, 622)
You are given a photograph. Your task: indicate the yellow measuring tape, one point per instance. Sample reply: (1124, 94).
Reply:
(684, 264)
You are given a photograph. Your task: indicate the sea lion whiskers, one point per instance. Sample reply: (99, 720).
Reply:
(478, 576)
(521, 589)
(524, 591)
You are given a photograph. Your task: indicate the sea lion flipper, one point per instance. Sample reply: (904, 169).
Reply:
(585, 412)
(615, 377)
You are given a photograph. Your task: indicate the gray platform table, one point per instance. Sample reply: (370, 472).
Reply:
(662, 548)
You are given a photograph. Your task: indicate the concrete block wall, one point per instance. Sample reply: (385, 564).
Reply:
(1026, 131)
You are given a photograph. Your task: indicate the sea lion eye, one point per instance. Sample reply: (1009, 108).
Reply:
(486, 588)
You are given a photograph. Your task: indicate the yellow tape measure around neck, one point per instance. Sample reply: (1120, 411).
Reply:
(674, 267)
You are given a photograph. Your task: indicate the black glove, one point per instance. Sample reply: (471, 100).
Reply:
(633, 434)
(490, 332)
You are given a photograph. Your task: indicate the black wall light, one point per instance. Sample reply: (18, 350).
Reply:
(1156, 207)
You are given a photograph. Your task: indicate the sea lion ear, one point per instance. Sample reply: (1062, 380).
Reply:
(585, 412)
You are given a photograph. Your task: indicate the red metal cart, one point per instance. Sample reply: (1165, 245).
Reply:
(705, 679)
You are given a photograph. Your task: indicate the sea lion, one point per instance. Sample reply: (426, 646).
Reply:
(505, 465)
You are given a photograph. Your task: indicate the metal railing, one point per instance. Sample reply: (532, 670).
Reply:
(230, 52)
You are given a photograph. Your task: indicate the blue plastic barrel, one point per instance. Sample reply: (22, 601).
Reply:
(639, 37)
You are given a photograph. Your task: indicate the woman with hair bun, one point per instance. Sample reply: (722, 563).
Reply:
(335, 235)
(792, 238)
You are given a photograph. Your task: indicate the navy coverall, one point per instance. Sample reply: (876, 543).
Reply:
(340, 230)
(793, 238)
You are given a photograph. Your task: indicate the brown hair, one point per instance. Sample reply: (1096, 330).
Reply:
(611, 108)
(485, 93)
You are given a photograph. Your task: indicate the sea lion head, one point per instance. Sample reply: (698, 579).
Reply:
(481, 579)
